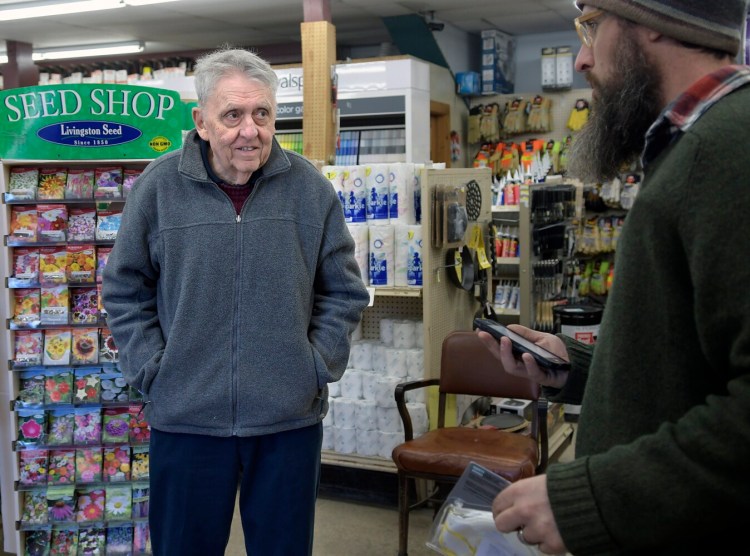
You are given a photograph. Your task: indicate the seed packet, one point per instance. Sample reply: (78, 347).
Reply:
(116, 464)
(34, 510)
(80, 183)
(58, 386)
(108, 224)
(25, 266)
(32, 467)
(84, 306)
(82, 224)
(53, 262)
(64, 541)
(23, 182)
(128, 180)
(52, 183)
(91, 541)
(61, 467)
(61, 503)
(81, 264)
(140, 432)
(141, 539)
(24, 224)
(88, 465)
(87, 385)
(88, 426)
(119, 540)
(84, 348)
(119, 503)
(37, 542)
(28, 348)
(115, 425)
(31, 388)
(107, 348)
(32, 424)
(60, 428)
(140, 463)
(114, 387)
(90, 504)
(27, 307)
(102, 310)
(140, 501)
(54, 304)
(108, 182)
(52, 222)
(102, 256)
(57, 347)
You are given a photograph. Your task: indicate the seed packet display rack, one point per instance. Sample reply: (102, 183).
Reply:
(97, 464)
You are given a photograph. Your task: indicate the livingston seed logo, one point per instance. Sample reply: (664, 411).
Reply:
(160, 144)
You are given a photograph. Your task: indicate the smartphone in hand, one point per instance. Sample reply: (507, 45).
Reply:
(544, 358)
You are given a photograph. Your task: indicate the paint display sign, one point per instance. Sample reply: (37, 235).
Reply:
(89, 121)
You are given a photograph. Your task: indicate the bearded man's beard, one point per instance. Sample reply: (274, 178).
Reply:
(621, 114)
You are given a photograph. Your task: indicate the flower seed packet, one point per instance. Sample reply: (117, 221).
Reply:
(140, 463)
(84, 305)
(140, 432)
(32, 467)
(140, 502)
(81, 264)
(27, 307)
(52, 222)
(116, 464)
(61, 467)
(118, 503)
(91, 541)
(31, 388)
(52, 183)
(32, 424)
(64, 541)
(61, 503)
(90, 504)
(108, 224)
(114, 387)
(84, 346)
(108, 182)
(57, 347)
(60, 428)
(54, 304)
(53, 262)
(28, 348)
(107, 348)
(87, 385)
(26, 266)
(88, 426)
(141, 539)
(80, 183)
(23, 224)
(88, 465)
(128, 180)
(119, 540)
(37, 542)
(102, 256)
(23, 183)
(58, 386)
(34, 510)
(115, 425)
(82, 224)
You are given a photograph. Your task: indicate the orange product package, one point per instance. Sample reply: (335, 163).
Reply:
(23, 224)
(81, 264)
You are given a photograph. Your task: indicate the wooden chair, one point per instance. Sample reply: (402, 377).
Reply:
(442, 454)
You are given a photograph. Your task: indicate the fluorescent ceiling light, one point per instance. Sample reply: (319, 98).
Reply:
(86, 51)
(3, 59)
(44, 8)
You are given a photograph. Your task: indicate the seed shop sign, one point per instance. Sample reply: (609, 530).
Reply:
(89, 121)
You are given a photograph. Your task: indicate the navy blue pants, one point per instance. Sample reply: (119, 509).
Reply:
(193, 488)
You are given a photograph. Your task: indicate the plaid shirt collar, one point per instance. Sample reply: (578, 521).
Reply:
(686, 109)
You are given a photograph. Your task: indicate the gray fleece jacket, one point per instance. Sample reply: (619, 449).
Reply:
(233, 325)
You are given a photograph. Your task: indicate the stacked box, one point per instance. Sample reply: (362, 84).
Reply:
(498, 61)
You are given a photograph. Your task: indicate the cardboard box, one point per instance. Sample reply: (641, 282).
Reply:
(468, 83)
(511, 405)
(498, 61)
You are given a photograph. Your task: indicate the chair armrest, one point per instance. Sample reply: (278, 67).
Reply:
(542, 405)
(401, 389)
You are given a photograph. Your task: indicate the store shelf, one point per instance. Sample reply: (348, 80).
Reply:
(398, 292)
(505, 208)
(508, 260)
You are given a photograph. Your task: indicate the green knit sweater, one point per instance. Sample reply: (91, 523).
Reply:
(663, 448)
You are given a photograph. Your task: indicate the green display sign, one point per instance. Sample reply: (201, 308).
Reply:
(90, 121)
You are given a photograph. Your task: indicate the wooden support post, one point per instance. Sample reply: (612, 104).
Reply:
(20, 71)
(318, 121)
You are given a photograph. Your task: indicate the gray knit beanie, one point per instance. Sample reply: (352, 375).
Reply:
(714, 24)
